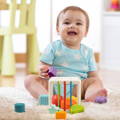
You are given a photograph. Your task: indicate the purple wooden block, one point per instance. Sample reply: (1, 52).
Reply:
(52, 72)
(101, 99)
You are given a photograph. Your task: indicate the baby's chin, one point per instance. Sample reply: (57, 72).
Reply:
(72, 40)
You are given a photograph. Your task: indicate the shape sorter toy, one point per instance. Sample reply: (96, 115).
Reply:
(64, 81)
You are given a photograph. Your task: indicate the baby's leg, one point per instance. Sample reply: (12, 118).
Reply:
(93, 88)
(36, 85)
(75, 91)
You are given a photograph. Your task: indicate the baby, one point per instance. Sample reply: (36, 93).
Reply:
(69, 56)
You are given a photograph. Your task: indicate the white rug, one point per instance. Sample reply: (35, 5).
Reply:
(10, 96)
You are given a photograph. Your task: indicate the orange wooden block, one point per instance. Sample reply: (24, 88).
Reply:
(74, 101)
(61, 115)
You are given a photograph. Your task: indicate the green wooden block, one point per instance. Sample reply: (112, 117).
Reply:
(76, 109)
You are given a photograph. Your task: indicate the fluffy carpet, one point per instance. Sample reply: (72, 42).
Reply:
(10, 96)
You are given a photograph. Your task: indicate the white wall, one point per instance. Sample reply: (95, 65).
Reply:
(44, 27)
(43, 23)
(110, 58)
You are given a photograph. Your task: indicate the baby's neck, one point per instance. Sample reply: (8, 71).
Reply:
(76, 47)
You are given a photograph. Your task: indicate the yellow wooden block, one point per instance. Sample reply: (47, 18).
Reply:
(61, 115)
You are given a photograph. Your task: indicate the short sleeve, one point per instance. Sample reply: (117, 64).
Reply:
(91, 61)
(48, 55)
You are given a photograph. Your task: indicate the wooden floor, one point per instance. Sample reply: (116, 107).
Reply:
(111, 79)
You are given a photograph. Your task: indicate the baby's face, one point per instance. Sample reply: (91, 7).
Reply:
(72, 27)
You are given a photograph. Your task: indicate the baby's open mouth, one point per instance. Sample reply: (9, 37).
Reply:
(72, 33)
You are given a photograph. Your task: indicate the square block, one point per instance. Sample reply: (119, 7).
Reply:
(61, 115)
(43, 99)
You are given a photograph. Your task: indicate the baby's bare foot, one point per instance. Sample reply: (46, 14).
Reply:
(102, 92)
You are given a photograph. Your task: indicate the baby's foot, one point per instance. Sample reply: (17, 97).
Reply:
(102, 92)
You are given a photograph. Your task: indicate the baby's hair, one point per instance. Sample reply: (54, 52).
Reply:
(74, 8)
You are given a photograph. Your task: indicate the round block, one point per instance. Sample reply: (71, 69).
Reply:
(19, 107)
(101, 99)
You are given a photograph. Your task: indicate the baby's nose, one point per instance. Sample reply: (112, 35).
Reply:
(72, 25)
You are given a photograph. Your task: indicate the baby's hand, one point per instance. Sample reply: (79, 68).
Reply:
(44, 71)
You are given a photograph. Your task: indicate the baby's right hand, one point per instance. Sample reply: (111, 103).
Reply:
(44, 71)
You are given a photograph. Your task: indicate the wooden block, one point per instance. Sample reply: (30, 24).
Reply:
(61, 115)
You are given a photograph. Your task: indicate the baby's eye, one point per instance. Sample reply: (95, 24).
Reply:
(66, 23)
(78, 23)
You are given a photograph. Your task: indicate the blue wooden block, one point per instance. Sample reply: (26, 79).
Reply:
(43, 100)
(19, 107)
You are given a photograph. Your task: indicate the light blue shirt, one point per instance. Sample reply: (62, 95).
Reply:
(69, 62)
